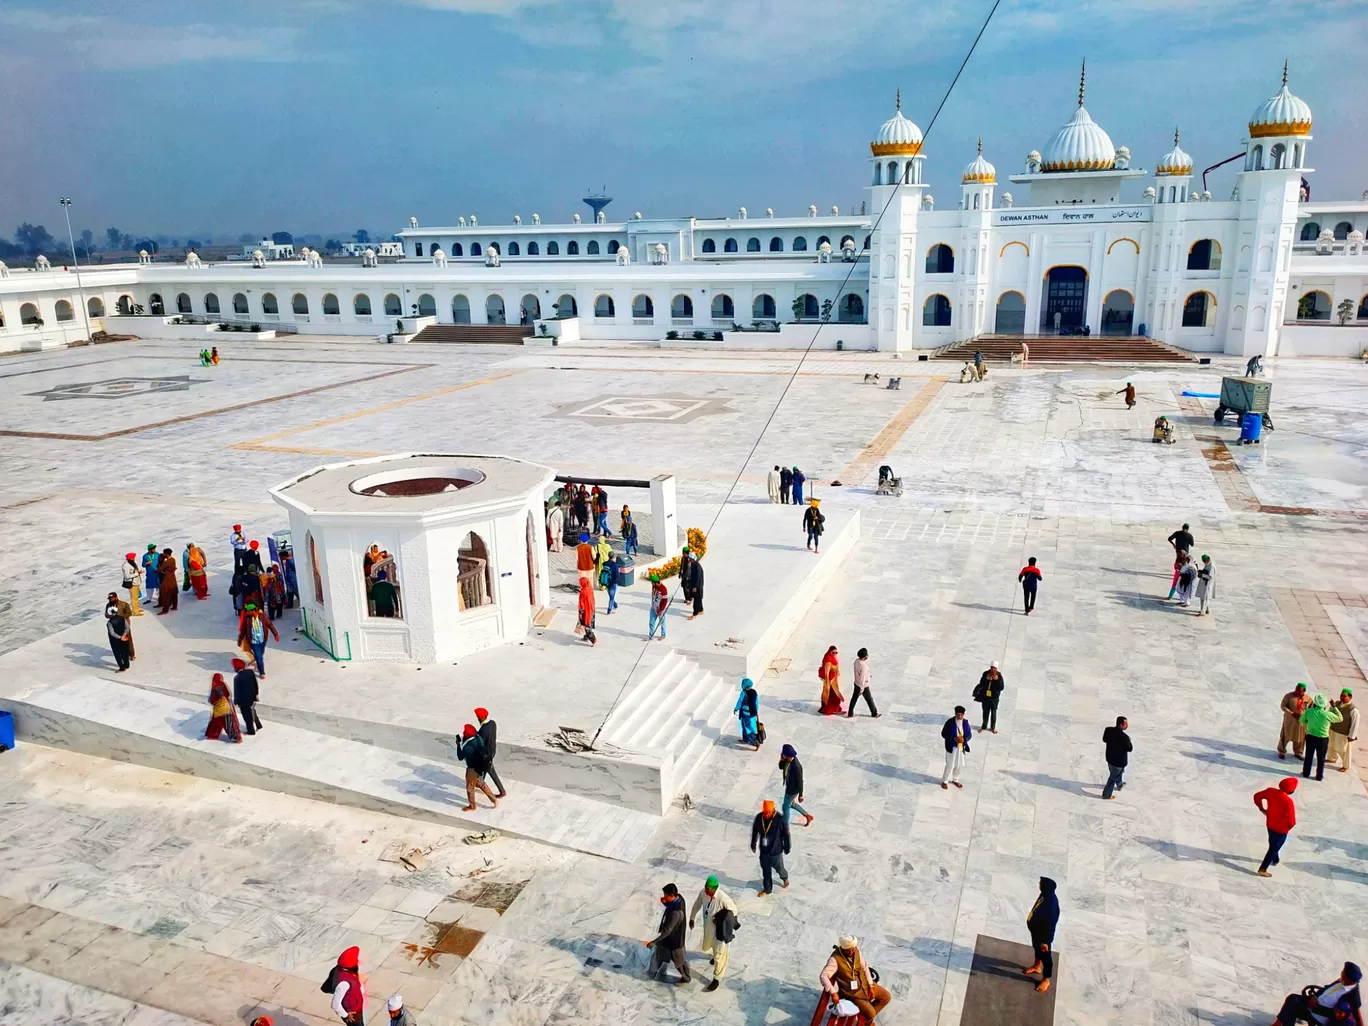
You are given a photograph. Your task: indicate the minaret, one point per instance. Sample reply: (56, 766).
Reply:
(1168, 242)
(973, 311)
(895, 195)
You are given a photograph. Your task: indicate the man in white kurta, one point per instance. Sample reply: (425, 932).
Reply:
(772, 483)
(711, 900)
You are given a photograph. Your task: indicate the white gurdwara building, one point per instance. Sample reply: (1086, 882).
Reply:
(1263, 270)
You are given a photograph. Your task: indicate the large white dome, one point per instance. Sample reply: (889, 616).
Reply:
(1080, 145)
(1281, 114)
(897, 136)
(1175, 161)
(979, 171)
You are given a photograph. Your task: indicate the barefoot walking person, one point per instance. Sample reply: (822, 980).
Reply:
(1280, 816)
(1041, 922)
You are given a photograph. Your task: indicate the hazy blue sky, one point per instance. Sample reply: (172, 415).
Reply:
(195, 116)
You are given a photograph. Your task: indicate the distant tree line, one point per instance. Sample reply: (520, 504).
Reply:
(29, 240)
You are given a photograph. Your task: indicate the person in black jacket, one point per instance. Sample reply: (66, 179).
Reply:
(1041, 922)
(489, 734)
(471, 750)
(1118, 744)
(694, 584)
(791, 770)
(668, 944)
(770, 836)
(785, 484)
(246, 690)
(989, 689)
(956, 734)
(813, 524)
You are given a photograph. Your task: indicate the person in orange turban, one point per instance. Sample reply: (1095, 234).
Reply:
(770, 839)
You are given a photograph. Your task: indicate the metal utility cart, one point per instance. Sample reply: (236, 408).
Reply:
(1245, 395)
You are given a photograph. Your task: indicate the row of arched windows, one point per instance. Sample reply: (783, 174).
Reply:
(776, 244)
(1317, 305)
(1311, 231)
(1279, 156)
(533, 248)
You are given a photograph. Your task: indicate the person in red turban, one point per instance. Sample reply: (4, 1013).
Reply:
(489, 733)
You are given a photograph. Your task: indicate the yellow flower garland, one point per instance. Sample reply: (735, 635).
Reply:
(698, 547)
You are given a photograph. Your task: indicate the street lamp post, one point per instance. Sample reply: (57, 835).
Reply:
(85, 313)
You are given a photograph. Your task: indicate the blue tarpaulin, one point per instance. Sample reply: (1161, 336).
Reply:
(1203, 395)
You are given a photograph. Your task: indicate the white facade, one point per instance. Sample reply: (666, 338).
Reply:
(1228, 275)
(467, 539)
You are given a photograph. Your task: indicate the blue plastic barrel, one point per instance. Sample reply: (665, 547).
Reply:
(6, 731)
(1251, 427)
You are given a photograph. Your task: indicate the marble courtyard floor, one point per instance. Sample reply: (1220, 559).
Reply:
(135, 897)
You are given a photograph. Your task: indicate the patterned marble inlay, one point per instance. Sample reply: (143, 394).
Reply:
(119, 388)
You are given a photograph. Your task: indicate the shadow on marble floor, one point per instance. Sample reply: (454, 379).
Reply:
(1351, 848)
(1235, 1018)
(1162, 575)
(1046, 780)
(1219, 759)
(773, 545)
(985, 606)
(95, 656)
(1267, 754)
(192, 725)
(1188, 853)
(739, 817)
(1328, 872)
(907, 776)
(1148, 600)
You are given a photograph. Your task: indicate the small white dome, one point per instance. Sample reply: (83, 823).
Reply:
(1175, 161)
(1080, 145)
(897, 136)
(1281, 114)
(979, 171)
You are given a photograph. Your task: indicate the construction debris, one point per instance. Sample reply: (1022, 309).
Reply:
(483, 837)
(569, 739)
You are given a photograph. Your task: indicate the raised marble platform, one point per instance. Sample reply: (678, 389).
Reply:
(130, 724)
(665, 718)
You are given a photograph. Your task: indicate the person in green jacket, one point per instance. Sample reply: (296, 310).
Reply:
(1317, 719)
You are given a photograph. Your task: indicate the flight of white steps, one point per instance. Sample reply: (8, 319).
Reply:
(678, 708)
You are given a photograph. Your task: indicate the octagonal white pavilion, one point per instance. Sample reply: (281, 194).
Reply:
(461, 538)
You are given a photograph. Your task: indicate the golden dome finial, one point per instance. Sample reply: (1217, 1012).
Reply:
(899, 100)
(1082, 79)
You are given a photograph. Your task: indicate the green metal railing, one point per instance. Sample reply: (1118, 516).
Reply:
(331, 646)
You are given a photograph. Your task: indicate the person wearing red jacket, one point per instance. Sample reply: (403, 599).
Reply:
(1030, 580)
(348, 988)
(1280, 816)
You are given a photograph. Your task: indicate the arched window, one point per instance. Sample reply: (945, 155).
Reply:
(380, 578)
(936, 311)
(269, 304)
(494, 310)
(314, 568)
(729, 246)
(1309, 231)
(1314, 306)
(474, 249)
(603, 307)
(851, 309)
(456, 249)
(1205, 255)
(976, 205)
(940, 259)
(64, 311)
(28, 314)
(124, 304)
(1343, 229)
(592, 249)
(763, 308)
(752, 245)
(1256, 158)
(361, 305)
(532, 249)
(1011, 314)
(866, 245)
(330, 305)
(95, 306)
(417, 249)
(642, 306)
(553, 248)
(529, 308)
(300, 303)
(1118, 312)
(572, 248)
(1277, 156)
(681, 307)
(183, 303)
(1363, 309)
(709, 246)
(892, 172)
(805, 307)
(393, 308)
(460, 309)
(513, 249)
(776, 245)
(821, 239)
(722, 306)
(155, 305)
(427, 305)
(800, 245)
(847, 239)
(239, 303)
(493, 247)
(1196, 308)
(614, 246)
(211, 304)
(566, 306)
(475, 578)
(878, 174)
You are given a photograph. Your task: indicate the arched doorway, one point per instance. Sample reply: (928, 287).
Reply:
(460, 309)
(1118, 313)
(494, 310)
(530, 309)
(1064, 299)
(1011, 314)
(566, 306)
(124, 305)
(851, 310)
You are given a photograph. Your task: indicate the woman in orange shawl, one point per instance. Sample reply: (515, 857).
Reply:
(585, 626)
(199, 580)
(223, 714)
(830, 674)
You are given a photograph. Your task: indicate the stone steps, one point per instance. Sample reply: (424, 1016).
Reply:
(1067, 349)
(468, 334)
(130, 724)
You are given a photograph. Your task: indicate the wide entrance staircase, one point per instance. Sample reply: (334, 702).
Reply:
(677, 708)
(1067, 349)
(475, 334)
